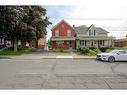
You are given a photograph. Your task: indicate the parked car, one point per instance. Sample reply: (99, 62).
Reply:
(114, 55)
(4, 47)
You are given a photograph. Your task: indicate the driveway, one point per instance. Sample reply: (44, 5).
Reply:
(62, 74)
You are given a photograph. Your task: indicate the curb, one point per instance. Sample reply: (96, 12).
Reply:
(69, 58)
(5, 58)
(84, 58)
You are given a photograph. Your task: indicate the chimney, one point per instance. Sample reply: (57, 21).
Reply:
(73, 26)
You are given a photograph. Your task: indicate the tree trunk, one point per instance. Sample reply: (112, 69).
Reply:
(23, 44)
(36, 41)
(15, 44)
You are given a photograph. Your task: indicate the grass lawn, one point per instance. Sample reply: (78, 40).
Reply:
(19, 52)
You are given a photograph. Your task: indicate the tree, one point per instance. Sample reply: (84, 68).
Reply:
(50, 43)
(23, 23)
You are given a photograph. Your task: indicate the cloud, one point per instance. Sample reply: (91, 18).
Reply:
(110, 16)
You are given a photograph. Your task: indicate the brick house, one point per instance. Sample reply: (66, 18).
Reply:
(63, 36)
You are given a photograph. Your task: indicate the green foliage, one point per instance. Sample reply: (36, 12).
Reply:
(23, 23)
(92, 48)
(92, 52)
(61, 50)
(88, 51)
(105, 49)
(50, 43)
(84, 50)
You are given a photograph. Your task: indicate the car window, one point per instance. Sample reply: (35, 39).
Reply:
(123, 52)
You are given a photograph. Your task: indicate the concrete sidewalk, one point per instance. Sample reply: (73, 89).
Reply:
(71, 57)
(33, 57)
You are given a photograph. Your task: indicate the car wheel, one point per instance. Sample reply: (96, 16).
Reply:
(111, 59)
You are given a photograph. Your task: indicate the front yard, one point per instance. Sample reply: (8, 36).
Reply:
(19, 52)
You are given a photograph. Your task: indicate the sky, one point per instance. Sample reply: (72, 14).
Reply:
(112, 18)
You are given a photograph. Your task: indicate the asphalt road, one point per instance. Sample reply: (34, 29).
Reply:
(62, 74)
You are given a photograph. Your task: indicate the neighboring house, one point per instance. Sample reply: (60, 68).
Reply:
(4, 42)
(120, 43)
(63, 36)
(42, 44)
(92, 37)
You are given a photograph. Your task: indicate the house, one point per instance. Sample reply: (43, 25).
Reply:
(63, 36)
(5, 42)
(120, 42)
(92, 37)
(42, 44)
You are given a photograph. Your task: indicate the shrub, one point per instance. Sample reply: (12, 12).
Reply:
(96, 50)
(89, 51)
(61, 50)
(92, 48)
(92, 52)
(104, 49)
(84, 50)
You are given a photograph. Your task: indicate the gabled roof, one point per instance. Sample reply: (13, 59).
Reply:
(84, 28)
(61, 22)
(98, 29)
(92, 26)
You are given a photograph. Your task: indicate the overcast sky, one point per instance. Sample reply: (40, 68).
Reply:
(111, 17)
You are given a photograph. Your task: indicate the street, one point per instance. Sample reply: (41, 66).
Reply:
(62, 74)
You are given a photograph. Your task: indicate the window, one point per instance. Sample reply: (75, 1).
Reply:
(89, 32)
(100, 42)
(85, 42)
(103, 42)
(92, 32)
(62, 26)
(122, 52)
(82, 43)
(57, 33)
(69, 33)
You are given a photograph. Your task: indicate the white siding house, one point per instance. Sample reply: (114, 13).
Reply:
(92, 37)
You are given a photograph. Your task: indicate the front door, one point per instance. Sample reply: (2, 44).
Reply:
(92, 44)
(70, 44)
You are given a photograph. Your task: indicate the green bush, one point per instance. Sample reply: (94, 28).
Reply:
(92, 48)
(89, 51)
(84, 50)
(104, 49)
(92, 52)
(96, 50)
(61, 50)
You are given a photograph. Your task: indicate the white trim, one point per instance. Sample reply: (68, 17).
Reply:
(64, 56)
(60, 39)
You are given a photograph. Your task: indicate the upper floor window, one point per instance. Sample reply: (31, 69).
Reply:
(62, 26)
(92, 32)
(69, 33)
(57, 33)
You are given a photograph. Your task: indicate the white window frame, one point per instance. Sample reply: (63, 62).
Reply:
(82, 43)
(69, 33)
(57, 33)
(62, 26)
(92, 32)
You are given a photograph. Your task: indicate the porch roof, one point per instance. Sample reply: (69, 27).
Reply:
(63, 38)
(95, 38)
